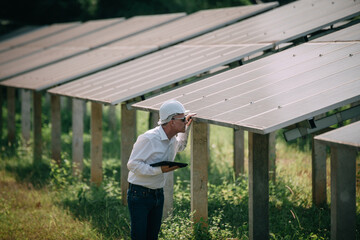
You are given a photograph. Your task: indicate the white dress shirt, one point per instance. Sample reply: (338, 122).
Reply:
(151, 147)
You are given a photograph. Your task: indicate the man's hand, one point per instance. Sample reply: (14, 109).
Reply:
(189, 118)
(165, 169)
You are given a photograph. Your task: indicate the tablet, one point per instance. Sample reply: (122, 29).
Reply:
(169, 163)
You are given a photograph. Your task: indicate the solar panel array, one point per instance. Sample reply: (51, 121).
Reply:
(237, 41)
(84, 44)
(120, 51)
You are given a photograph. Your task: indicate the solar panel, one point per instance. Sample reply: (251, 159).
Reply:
(141, 76)
(42, 57)
(194, 25)
(122, 50)
(283, 24)
(16, 33)
(127, 28)
(35, 35)
(351, 33)
(89, 27)
(127, 81)
(345, 145)
(72, 68)
(345, 135)
(84, 43)
(56, 39)
(276, 91)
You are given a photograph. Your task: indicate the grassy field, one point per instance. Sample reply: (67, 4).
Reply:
(47, 202)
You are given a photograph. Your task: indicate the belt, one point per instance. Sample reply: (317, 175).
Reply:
(141, 188)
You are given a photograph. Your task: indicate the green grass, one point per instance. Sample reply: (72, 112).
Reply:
(30, 213)
(47, 202)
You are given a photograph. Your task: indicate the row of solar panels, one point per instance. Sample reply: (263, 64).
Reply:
(263, 96)
(138, 35)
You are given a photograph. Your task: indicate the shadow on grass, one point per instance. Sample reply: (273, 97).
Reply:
(102, 207)
(38, 175)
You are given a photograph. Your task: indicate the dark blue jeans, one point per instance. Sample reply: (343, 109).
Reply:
(145, 207)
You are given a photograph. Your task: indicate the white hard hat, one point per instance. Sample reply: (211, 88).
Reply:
(169, 109)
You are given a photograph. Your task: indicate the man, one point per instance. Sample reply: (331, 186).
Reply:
(145, 194)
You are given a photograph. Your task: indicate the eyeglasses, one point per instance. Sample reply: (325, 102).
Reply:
(182, 119)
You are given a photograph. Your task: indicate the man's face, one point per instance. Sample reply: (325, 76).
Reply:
(179, 122)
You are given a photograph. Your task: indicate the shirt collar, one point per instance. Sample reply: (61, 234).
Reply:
(163, 135)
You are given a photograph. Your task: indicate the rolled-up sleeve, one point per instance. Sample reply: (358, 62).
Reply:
(139, 157)
(182, 139)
